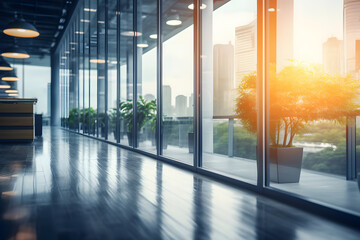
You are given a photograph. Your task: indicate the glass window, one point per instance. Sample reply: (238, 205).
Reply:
(178, 81)
(79, 44)
(93, 58)
(146, 74)
(313, 87)
(112, 70)
(229, 110)
(127, 35)
(101, 74)
(89, 112)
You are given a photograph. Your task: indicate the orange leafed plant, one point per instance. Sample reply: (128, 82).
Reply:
(299, 94)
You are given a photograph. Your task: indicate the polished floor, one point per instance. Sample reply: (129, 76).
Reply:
(66, 186)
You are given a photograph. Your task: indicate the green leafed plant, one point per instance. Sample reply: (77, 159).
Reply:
(146, 113)
(299, 94)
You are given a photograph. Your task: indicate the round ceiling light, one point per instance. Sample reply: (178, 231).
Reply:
(191, 6)
(153, 36)
(131, 34)
(21, 28)
(174, 20)
(97, 60)
(143, 44)
(4, 65)
(15, 52)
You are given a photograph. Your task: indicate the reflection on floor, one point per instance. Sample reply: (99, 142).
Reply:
(327, 188)
(66, 186)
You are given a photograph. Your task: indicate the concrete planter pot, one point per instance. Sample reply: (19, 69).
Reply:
(285, 164)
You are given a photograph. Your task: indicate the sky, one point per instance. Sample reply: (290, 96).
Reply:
(314, 22)
(36, 84)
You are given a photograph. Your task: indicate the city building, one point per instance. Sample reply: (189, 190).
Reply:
(179, 120)
(245, 51)
(223, 57)
(333, 56)
(180, 106)
(167, 109)
(351, 33)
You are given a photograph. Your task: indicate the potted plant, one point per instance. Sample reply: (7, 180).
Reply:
(74, 118)
(88, 117)
(145, 113)
(299, 94)
(112, 115)
(102, 118)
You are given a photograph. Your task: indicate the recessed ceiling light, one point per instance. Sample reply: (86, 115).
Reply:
(84, 20)
(153, 36)
(13, 94)
(271, 9)
(143, 45)
(191, 6)
(97, 60)
(131, 34)
(89, 10)
(174, 20)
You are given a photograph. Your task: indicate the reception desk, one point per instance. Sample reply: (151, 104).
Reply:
(17, 119)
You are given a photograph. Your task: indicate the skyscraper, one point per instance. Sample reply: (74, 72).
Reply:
(180, 106)
(167, 111)
(149, 97)
(223, 79)
(190, 108)
(284, 33)
(245, 50)
(351, 33)
(333, 56)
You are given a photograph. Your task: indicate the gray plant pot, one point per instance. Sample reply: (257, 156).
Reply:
(285, 164)
(358, 180)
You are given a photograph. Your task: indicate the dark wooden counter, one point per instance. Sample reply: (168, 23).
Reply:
(17, 119)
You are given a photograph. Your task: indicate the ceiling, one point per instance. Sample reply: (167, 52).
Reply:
(49, 16)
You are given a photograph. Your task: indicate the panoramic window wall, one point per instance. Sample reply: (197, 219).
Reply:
(101, 71)
(112, 73)
(228, 86)
(178, 80)
(313, 99)
(127, 38)
(282, 115)
(146, 57)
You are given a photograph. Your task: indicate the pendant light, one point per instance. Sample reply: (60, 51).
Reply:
(11, 91)
(15, 52)
(4, 65)
(4, 85)
(10, 76)
(21, 28)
